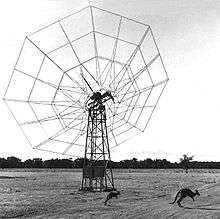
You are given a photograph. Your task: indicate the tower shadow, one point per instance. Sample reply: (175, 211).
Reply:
(202, 208)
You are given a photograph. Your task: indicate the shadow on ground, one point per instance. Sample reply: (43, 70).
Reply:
(202, 208)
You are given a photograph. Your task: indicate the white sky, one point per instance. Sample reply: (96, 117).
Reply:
(187, 119)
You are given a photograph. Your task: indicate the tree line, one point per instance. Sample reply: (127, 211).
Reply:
(14, 162)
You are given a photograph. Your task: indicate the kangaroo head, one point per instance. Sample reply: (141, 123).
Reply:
(197, 192)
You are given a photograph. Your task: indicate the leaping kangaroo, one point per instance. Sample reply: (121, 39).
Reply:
(184, 193)
(111, 195)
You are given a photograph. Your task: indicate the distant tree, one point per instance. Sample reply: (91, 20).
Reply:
(185, 160)
(78, 163)
(148, 163)
(29, 163)
(38, 163)
(3, 163)
(126, 164)
(57, 163)
(14, 162)
(134, 163)
(67, 163)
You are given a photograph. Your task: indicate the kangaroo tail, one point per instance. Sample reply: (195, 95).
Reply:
(175, 198)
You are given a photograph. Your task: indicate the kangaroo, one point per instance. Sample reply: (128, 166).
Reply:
(111, 195)
(184, 193)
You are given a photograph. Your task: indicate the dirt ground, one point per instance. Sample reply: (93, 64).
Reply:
(144, 194)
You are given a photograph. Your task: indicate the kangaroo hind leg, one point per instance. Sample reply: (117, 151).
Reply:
(179, 202)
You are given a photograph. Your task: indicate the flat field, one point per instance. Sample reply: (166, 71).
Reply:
(28, 193)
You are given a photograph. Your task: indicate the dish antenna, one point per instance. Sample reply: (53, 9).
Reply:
(86, 84)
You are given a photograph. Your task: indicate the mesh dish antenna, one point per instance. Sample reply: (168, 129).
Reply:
(84, 85)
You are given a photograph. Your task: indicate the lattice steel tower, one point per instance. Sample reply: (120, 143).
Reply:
(97, 170)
